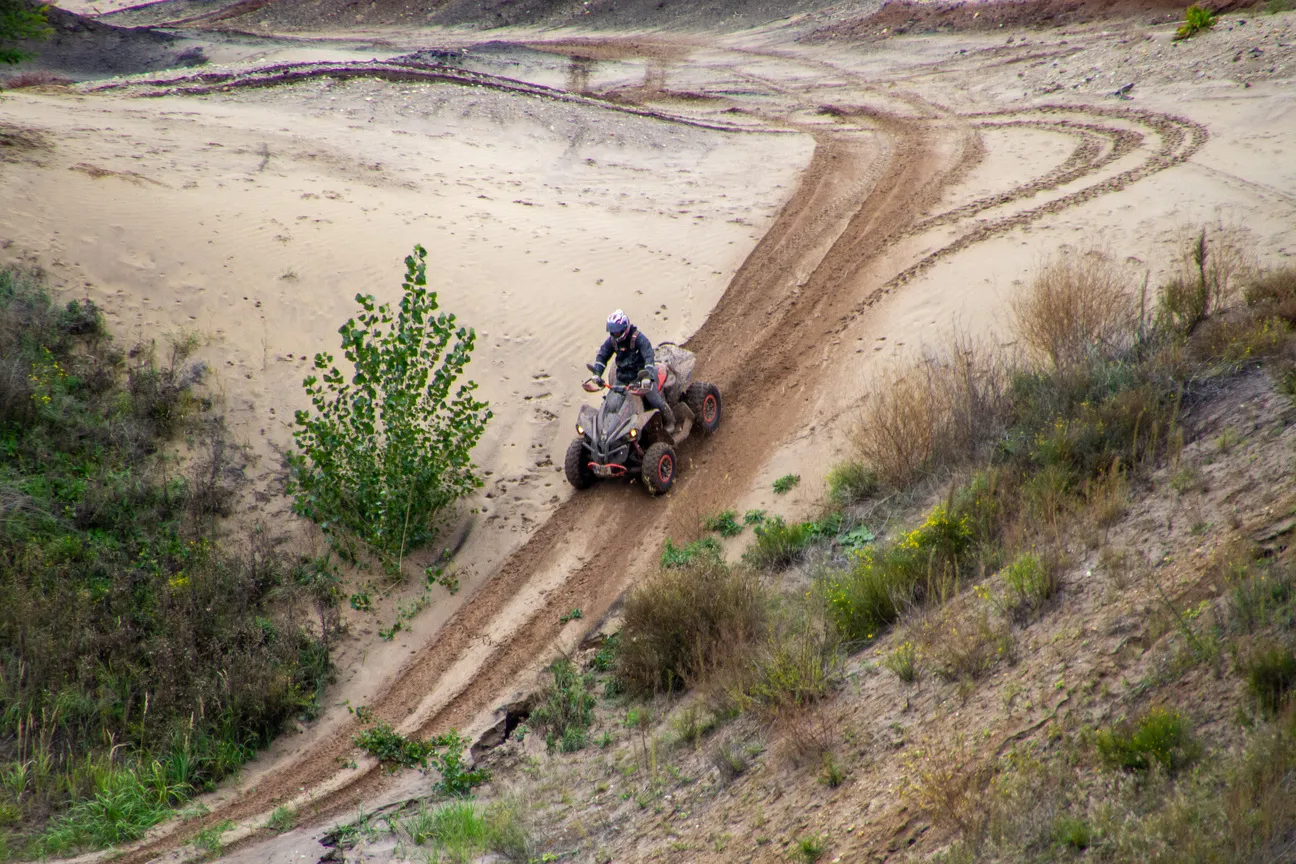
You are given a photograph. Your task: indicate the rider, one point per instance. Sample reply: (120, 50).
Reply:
(634, 356)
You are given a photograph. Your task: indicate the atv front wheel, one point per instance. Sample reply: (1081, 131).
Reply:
(704, 399)
(659, 468)
(576, 466)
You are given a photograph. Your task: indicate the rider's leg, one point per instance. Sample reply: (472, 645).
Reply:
(654, 399)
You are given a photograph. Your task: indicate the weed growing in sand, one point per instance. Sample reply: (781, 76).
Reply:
(811, 848)
(778, 543)
(1030, 583)
(282, 819)
(444, 753)
(786, 483)
(725, 524)
(1197, 19)
(461, 832)
(683, 556)
(903, 661)
(851, 482)
(208, 840)
(384, 451)
(566, 709)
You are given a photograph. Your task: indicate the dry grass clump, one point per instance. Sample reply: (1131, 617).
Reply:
(35, 78)
(963, 644)
(932, 412)
(1274, 293)
(1079, 305)
(685, 622)
(948, 780)
(1213, 264)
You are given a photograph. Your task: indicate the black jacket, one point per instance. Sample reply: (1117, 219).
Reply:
(634, 354)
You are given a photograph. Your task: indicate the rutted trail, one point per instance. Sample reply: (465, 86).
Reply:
(878, 170)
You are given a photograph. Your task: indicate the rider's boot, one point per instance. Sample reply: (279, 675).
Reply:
(668, 417)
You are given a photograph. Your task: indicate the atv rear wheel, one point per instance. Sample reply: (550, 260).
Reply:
(576, 466)
(659, 468)
(704, 399)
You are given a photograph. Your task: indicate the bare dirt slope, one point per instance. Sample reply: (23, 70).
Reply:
(935, 173)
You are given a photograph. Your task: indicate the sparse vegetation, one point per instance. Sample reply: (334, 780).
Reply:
(385, 450)
(461, 832)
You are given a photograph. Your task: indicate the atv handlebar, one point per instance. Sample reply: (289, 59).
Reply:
(594, 385)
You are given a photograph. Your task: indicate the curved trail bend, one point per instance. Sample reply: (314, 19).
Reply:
(880, 168)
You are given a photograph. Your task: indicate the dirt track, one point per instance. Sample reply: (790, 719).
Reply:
(860, 224)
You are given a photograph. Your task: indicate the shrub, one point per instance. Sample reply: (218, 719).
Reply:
(786, 483)
(795, 666)
(932, 412)
(566, 708)
(1160, 737)
(1271, 673)
(1273, 293)
(683, 622)
(811, 848)
(18, 22)
(1213, 261)
(384, 452)
(886, 581)
(730, 760)
(1196, 19)
(851, 482)
(128, 636)
(1079, 306)
(778, 544)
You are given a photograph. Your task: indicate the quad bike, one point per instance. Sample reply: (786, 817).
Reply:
(624, 437)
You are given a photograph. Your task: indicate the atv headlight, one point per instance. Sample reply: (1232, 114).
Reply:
(580, 430)
(634, 433)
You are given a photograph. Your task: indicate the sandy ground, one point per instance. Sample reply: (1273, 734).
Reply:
(895, 188)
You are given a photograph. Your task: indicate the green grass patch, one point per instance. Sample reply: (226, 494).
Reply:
(851, 482)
